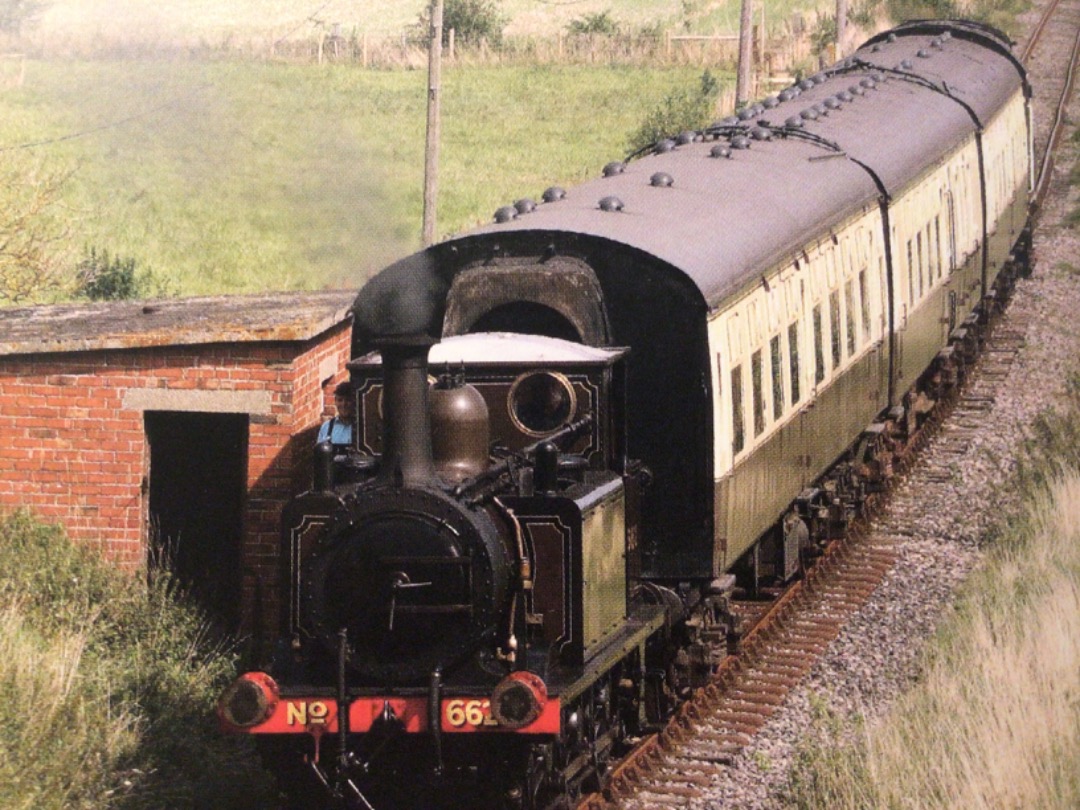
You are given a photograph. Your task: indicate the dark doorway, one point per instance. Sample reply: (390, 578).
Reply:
(197, 487)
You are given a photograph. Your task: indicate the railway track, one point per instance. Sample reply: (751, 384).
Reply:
(677, 765)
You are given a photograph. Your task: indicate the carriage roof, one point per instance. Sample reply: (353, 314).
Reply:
(722, 221)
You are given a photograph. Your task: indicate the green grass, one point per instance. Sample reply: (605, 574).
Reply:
(233, 176)
(107, 683)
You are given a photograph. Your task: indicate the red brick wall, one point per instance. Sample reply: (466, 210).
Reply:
(73, 453)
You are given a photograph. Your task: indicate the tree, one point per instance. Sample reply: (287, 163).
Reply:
(14, 14)
(32, 235)
(471, 20)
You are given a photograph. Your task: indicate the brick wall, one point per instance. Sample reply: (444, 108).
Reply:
(73, 444)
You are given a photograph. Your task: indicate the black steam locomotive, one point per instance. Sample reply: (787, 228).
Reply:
(574, 427)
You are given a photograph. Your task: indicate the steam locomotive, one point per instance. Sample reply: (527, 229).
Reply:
(581, 428)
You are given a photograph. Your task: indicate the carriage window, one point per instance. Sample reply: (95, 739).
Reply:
(758, 392)
(918, 252)
(864, 300)
(937, 244)
(819, 347)
(738, 430)
(777, 378)
(849, 319)
(793, 357)
(834, 326)
(910, 273)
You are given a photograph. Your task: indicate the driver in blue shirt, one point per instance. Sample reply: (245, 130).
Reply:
(338, 431)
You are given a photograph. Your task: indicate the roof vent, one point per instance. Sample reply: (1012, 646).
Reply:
(922, 53)
(877, 77)
(809, 114)
(614, 168)
(686, 137)
(746, 113)
(821, 109)
(819, 78)
(857, 90)
(905, 65)
(845, 95)
(554, 194)
(730, 121)
(611, 204)
(787, 95)
(806, 84)
(795, 122)
(875, 48)
(740, 142)
(758, 108)
(506, 214)
(661, 180)
(891, 38)
(946, 36)
(720, 150)
(868, 83)
(761, 134)
(770, 103)
(936, 42)
(525, 206)
(832, 102)
(665, 145)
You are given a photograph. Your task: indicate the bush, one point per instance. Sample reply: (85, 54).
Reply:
(601, 23)
(688, 109)
(103, 278)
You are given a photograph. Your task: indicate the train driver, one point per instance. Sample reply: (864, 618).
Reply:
(338, 430)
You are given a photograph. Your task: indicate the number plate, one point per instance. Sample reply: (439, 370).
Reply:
(467, 714)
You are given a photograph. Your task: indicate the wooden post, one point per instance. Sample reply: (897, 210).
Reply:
(742, 75)
(431, 153)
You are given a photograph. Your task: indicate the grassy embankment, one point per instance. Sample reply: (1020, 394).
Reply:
(240, 176)
(106, 687)
(994, 721)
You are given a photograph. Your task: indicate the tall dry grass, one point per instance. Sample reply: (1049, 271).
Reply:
(994, 721)
(107, 683)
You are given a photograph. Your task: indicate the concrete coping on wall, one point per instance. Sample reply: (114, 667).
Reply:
(268, 317)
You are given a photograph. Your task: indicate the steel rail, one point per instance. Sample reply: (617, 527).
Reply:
(1036, 33)
(1046, 166)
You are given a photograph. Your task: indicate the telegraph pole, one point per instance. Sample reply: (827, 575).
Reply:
(431, 151)
(841, 26)
(742, 74)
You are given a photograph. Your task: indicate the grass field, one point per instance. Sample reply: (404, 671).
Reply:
(228, 176)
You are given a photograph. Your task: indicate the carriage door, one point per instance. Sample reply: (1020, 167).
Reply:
(197, 487)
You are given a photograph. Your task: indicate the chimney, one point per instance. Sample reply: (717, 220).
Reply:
(406, 459)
